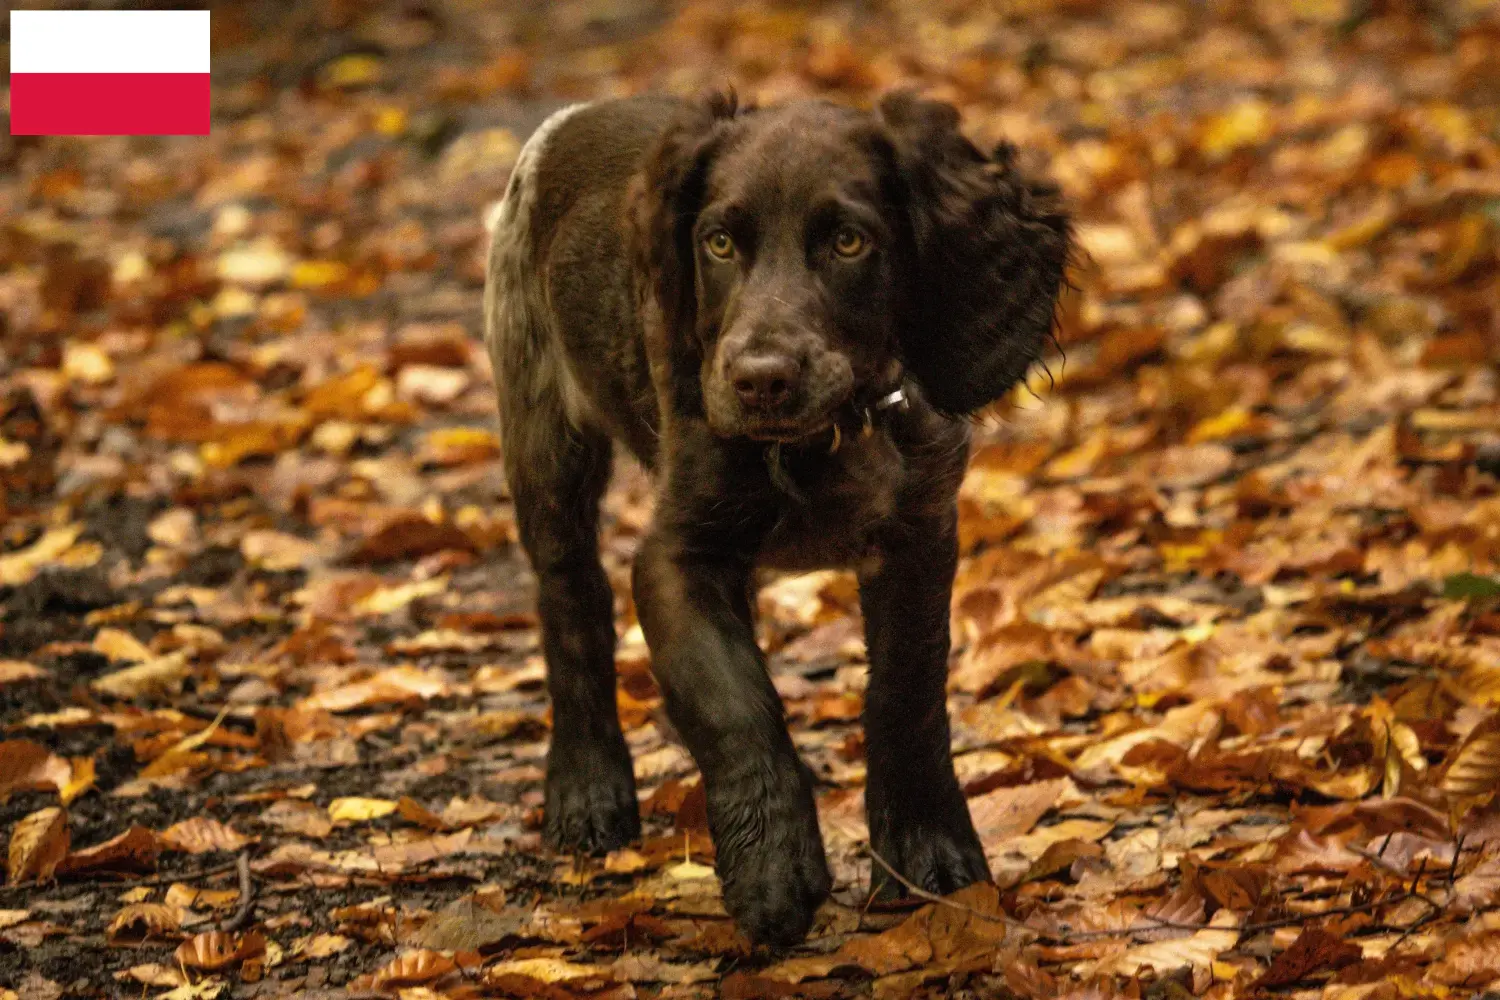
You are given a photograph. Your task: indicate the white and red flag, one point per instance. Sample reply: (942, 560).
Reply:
(109, 72)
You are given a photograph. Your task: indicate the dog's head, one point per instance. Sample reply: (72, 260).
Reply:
(802, 257)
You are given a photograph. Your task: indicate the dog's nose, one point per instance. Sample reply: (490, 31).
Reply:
(764, 381)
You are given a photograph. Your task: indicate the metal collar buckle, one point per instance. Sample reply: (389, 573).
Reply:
(896, 398)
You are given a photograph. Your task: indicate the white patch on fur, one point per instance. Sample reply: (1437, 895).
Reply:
(524, 347)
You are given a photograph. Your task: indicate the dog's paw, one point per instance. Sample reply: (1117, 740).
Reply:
(774, 889)
(770, 858)
(590, 808)
(939, 859)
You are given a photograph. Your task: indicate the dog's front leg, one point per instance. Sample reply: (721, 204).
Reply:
(696, 616)
(919, 819)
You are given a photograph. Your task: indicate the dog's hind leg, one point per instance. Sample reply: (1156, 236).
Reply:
(558, 465)
(557, 475)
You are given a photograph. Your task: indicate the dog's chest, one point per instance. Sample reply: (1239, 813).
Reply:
(839, 504)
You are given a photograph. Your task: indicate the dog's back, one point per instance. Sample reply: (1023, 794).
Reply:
(558, 249)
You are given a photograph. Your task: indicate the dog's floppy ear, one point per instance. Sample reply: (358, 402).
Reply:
(662, 208)
(991, 249)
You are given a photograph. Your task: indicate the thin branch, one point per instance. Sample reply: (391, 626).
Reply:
(932, 897)
(247, 896)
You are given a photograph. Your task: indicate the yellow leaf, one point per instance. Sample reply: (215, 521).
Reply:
(80, 780)
(161, 674)
(38, 843)
(355, 70)
(23, 565)
(688, 870)
(117, 644)
(1248, 123)
(1228, 423)
(1475, 766)
(548, 970)
(12, 671)
(353, 809)
(319, 273)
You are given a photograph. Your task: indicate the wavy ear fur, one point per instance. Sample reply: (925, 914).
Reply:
(992, 247)
(661, 209)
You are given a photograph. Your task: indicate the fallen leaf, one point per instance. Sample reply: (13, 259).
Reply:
(117, 645)
(22, 566)
(14, 671)
(1200, 950)
(200, 835)
(353, 809)
(214, 950)
(159, 675)
(412, 969)
(142, 920)
(1315, 950)
(26, 765)
(38, 844)
(134, 850)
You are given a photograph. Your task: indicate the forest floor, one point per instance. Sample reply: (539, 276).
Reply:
(1226, 679)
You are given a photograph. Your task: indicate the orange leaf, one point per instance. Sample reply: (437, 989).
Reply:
(133, 850)
(216, 950)
(26, 765)
(142, 920)
(1475, 766)
(200, 835)
(413, 969)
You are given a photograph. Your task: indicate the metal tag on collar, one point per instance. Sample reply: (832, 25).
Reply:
(838, 439)
(896, 397)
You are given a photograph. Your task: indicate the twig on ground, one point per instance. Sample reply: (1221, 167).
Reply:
(1152, 924)
(933, 897)
(126, 881)
(247, 896)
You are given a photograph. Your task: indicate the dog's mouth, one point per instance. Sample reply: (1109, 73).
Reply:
(787, 433)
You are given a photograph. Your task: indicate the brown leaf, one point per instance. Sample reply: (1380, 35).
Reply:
(412, 969)
(1474, 768)
(216, 950)
(142, 920)
(1011, 812)
(1199, 951)
(38, 844)
(414, 812)
(1315, 950)
(25, 765)
(201, 834)
(410, 535)
(132, 851)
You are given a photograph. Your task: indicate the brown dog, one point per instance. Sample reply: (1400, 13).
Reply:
(784, 313)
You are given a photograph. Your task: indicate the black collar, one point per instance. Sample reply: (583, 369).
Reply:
(859, 418)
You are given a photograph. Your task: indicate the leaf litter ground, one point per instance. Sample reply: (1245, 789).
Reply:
(1226, 667)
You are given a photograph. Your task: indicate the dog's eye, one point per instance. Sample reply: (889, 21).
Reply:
(849, 242)
(719, 244)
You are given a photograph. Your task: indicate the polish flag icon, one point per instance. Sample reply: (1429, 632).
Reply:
(109, 72)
